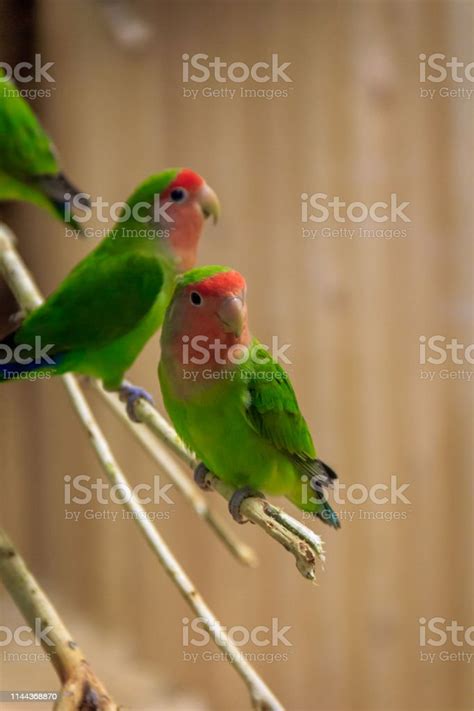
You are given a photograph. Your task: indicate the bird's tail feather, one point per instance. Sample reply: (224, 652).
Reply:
(61, 192)
(310, 492)
(328, 515)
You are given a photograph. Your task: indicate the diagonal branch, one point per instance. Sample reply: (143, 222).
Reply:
(80, 687)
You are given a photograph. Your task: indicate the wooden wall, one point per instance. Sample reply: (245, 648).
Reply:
(353, 125)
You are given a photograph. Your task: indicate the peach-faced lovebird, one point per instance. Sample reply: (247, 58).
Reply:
(100, 317)
(29, 168)
(230, 402)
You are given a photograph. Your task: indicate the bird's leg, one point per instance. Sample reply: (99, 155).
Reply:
(200, 473)
(130, 394)
(235, 502)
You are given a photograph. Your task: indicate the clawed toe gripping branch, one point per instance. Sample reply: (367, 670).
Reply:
(158, 439)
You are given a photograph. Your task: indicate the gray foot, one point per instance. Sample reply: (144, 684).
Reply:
(200, 474)
(130, 394)
(235, 502)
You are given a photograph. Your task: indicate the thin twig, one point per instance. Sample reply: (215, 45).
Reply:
(16, 273)
(80, 687)
(262, 697)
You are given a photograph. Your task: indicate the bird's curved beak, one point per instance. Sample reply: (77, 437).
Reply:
(232, 315)
(209, 202)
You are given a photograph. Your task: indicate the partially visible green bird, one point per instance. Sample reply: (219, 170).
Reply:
(29, 167)
(100, 317)
(231, 403)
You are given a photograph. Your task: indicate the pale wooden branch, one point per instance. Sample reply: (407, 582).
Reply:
(80, 688)
(262, 697)
(16, 273)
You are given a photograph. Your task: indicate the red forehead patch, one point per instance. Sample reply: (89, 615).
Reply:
(188, 179)
(222, 283)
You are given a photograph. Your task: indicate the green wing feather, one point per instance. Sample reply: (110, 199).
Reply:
(13, 189)
(102, 299)
(272, 409)
(25, 149)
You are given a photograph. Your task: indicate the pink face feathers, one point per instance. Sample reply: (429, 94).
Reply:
(207, 319)
(189, 201)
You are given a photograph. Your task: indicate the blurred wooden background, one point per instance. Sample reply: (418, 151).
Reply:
(354, 126)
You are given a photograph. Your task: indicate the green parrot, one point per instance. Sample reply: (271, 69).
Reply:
(231, 403)
(29, 168)
(100, 317)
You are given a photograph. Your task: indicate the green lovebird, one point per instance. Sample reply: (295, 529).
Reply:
(29, 168)
(100, 317)
(231, 403)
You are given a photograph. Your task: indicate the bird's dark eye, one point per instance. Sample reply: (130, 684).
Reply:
(196, 298)
(178, 194)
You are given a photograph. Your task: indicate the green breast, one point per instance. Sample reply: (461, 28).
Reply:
(212, 422)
